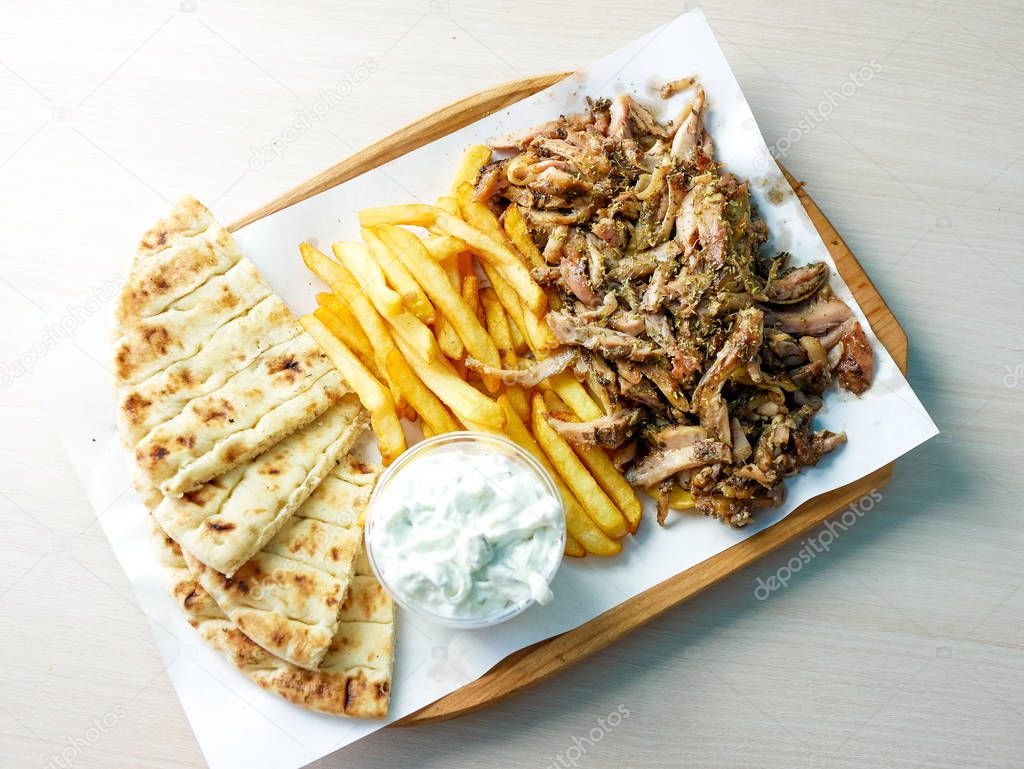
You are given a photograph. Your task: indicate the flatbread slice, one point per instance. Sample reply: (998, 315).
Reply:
(211, 367)
(226, 521)
(287, 597)
(355, 676)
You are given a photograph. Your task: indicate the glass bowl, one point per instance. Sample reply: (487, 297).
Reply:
(458, 444)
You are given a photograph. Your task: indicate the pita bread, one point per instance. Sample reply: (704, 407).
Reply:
(287, 597)
(211, 367)
(354, 678)
(226, 521)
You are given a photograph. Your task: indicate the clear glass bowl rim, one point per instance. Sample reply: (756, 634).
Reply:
(440, 441)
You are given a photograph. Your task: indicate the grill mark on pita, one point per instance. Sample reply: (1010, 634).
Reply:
(254, 290)
(164, 278)
(330, 380)
(209, 449)
(170, 229)
(173, 407)
(252, 372)
(214, 273)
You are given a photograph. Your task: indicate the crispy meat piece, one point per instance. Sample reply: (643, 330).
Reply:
(856, 365)
(740, 348)
(530, 376)
(610, 431)
(659, 465)
(610, 343)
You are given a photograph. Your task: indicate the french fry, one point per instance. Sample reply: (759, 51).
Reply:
(449, 204)
(454, 348)
(374, 396)
(444, 248)
(471, 294)
(448, 339)
(421, 399)
(475, 157)
(538, 337)
(605, 473)
(573, 549)
(575, 396)
(493, 252)
(461, 397)
(343, 324)
(580, 526)
(501, 332)
(497, 322)
(515, 228)
(410, 250)
(400, 278)
(356, 258)
(519, 343)
(343, 331)
(576, 476)
(345, 286)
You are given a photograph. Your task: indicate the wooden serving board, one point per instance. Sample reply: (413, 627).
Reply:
(535, 663)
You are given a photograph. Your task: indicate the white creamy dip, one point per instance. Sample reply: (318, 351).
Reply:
(466, 532)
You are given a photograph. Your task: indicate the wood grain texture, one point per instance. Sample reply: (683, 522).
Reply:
(532, 665)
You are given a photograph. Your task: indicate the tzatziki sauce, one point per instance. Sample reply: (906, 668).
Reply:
(466, 532)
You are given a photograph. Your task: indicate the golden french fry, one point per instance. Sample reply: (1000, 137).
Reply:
(517, 232)
(538, 337)
(497, 321)
(493, 252)
(573, 549)
(579, 524)
(410, 250)
(374, 396)
(576, 476)
(519, 343)
(357, 260)
(448, 339)
(449, 204)
(475, 158)
(355, 256)
(471, 294)
(605, 473)
(400, 278)
(344, 332)
(444, 248)
(346, 287)
(344, 325)
(421, 400)
(575, 396)
(454, 348)
(418, 214)
(461, 397)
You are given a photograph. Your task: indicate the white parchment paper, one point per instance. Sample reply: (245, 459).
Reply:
(236, 723)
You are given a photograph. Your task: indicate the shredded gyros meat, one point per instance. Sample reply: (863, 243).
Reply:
(709, 356)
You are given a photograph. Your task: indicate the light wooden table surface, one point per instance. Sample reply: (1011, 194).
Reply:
(899, 647)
